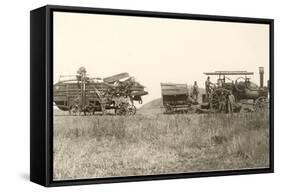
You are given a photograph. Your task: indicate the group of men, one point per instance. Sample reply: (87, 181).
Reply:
(226, 102)
(226, 99)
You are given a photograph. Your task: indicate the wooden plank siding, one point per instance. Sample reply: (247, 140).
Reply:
(64, 93)
(67, 92)
(174, 89)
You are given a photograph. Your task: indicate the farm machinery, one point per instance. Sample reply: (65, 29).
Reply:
(176, 98)
(81, 94)
(242, 88)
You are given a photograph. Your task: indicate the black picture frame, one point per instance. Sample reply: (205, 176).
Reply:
(41, 88)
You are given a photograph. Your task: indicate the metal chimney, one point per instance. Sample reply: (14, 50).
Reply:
(261, 70)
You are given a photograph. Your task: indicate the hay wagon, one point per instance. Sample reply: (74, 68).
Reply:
(85, 95)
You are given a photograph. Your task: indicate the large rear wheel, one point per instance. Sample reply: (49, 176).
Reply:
(217, 96)
(261, 104)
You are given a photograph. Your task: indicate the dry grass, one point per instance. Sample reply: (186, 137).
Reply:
(106, 146)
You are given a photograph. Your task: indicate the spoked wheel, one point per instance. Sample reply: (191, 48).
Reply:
(131, 110)
(216, 98)
(261, 104)
(89, 109)
(74, 110)
(121, 110)
(126, 109)
(168, 109)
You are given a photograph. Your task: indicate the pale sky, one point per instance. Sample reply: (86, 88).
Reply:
(155, 50)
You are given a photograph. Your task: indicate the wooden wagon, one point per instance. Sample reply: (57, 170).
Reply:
(175, 98)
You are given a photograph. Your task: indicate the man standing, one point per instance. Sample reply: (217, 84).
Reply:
(208, 86)
(222, 103)
(195, 91)
(231, 101)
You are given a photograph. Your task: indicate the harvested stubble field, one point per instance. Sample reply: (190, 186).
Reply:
(106, 146)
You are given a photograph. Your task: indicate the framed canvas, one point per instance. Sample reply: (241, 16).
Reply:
(123, 95)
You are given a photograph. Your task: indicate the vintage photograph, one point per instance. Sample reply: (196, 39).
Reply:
(137, 96)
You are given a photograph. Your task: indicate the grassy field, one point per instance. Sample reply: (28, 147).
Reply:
(106, 146)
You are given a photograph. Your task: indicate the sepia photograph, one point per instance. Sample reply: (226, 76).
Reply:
(138, 96)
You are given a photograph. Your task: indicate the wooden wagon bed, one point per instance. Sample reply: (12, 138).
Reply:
(175, 97)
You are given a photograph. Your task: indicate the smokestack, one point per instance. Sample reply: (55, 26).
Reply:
(261, 70)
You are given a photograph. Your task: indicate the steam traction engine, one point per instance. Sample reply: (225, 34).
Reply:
(242, 89)
(82, 94)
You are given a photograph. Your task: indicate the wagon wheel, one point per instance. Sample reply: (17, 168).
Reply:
(131, 110)
(74, 110)
(216, 98)
(89, 109)
(168, 108)
(121, 109)
(261, 103)
(93, 108)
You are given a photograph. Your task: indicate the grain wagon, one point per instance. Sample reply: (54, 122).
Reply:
(175, 98)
